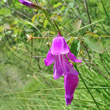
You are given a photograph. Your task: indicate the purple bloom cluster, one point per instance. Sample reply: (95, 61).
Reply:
(59, 54)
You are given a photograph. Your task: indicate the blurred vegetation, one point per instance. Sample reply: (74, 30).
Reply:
(25, 82)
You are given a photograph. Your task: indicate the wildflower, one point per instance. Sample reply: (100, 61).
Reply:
(59, 54)
(30, 4)
(25, 2)
(70, 84)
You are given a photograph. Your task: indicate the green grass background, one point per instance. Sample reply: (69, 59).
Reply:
(25, 82)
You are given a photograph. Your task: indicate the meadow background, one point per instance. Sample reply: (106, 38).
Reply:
(25, 82)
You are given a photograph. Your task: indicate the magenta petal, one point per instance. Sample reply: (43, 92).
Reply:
(26, 2)
(59, 46)
(73, 57)
(63, 67)
(70, 84)
(58, 72)
(68, 67)
(58, 68)
(49, 59)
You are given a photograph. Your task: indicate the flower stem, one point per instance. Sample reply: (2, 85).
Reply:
(50, 21)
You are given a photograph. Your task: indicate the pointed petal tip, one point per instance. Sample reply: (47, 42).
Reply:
(56, 77)
(78, 61)
(20, 0)
(68, 100)
(26, 2)
(72, 57)
(45, 62)
(57, 72)
(70, 84)
(49, 58)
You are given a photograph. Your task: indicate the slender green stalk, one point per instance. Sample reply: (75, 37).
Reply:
(48, 18)
(103, 27)
(103, 63)
(87, 11)
(104, 8)
(87, 88)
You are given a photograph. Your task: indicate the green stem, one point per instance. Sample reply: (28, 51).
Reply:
(88, 14)
(48, 18)
(104, 8)
(50, 21)
(38, 7)
(87, 88)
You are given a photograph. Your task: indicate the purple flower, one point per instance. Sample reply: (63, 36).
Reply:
(26, 2)
(30, 4)
(70, 84)
(59, 54)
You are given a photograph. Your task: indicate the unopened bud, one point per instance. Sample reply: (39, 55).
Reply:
(31, 4)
